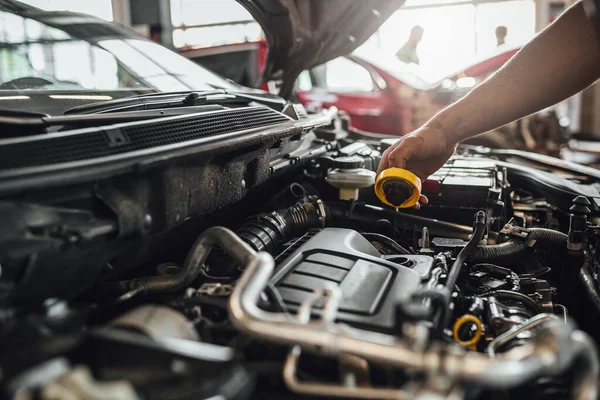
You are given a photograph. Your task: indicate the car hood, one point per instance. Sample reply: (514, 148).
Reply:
(305, 33)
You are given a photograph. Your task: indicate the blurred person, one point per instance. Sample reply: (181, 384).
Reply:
(501, 32)
(559, 62)
(408, 52)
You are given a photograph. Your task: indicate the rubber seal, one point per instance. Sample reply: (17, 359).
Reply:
(398, 188)
(468, 319)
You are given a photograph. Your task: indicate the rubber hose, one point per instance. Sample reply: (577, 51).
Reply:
(438, 298)
(479, 227)
(362, 215)
(544, 239)
(266, 232)
(590, 285)
(439, 302)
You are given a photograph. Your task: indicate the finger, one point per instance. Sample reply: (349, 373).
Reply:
(384, 164)
(422, 200)
(405, 150)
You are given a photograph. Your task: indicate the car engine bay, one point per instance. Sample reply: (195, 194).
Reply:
(270, 270)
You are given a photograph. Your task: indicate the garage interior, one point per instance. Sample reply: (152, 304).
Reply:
(298, 199)
(224, 37)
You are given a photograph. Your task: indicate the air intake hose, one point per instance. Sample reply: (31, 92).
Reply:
(542, 239)
(266, 232)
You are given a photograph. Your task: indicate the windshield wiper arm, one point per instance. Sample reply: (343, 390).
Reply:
(155, 101)
(12, 124)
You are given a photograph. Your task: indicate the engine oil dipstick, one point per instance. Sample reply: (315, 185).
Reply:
(398, 188)
(467, 320)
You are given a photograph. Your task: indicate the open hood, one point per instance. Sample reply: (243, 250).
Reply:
(305, 33)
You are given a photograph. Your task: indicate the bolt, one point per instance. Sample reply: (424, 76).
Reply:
(425, 243)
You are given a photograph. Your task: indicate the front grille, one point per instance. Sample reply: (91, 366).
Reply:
(130, 138)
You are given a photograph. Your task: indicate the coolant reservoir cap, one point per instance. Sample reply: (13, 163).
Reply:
(398, 188)
(348, 162)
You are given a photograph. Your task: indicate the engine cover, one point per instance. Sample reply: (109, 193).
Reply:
(370, 285)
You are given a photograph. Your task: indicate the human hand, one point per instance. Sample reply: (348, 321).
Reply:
(422, 152)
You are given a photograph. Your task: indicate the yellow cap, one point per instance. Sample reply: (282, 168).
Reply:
(398, 188)
(468, 319)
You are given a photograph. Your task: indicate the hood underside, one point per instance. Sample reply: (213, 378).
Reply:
(305, 33)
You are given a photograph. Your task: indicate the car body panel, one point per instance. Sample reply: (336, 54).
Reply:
(305, 33)
(401, 100)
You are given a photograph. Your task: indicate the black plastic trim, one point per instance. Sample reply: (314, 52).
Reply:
(37, 177)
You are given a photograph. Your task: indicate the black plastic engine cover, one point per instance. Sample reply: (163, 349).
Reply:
(370, 285)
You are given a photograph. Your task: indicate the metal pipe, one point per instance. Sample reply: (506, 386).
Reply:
(515, 331)
(551, 355)
(587, 366)
(216, 235)
(516, 296)
(333, 295)
(333, 390)
(507, 371)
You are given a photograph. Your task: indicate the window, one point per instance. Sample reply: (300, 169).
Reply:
(207, 12)
(456, 33)
(98, 8)
(343, 75)
(209, 23)
(31, 49)
(304, 81)
(518, 17)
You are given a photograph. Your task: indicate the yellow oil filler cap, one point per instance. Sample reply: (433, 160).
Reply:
(398, 188)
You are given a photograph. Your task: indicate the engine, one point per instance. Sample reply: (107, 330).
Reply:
(311, 287)
(369, 287)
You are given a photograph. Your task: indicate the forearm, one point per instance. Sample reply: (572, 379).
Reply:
(561, 61)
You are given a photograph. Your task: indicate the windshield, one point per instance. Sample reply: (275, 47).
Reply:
(84, 57)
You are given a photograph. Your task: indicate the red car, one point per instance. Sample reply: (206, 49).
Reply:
(385, 95)
(243, 63)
